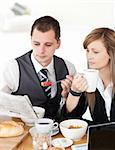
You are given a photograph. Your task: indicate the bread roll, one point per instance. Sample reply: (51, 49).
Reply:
(11, 129)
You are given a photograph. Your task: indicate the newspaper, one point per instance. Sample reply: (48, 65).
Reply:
(16, 106)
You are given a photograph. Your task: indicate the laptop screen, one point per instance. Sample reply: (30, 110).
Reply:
(101, 137)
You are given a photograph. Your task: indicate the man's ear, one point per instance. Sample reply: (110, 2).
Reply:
(58, 43)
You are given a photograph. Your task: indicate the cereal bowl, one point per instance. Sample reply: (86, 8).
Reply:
(73, 128)
(39, 111)
(31, 121)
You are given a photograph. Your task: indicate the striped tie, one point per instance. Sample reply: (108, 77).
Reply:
(44, 78)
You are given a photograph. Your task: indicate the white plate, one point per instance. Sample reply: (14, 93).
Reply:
(80, 147)
(28, 121)
(5, 118)
(33, 131)
(62, 142)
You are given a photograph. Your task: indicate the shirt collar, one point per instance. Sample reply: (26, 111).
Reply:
(38, 66)
(100, 85)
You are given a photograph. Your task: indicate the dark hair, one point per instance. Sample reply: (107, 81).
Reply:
(45, 24)
(107, 36)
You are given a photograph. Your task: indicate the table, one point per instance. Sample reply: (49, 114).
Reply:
(27, 142)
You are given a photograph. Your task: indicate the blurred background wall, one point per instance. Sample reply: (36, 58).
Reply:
(77, 18)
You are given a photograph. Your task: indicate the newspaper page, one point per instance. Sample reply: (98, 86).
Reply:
(16, 106)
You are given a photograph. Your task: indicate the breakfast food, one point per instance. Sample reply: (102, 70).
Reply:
(48, 83)
(11, 128)
(74, 127)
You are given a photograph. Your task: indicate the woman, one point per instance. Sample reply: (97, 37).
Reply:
(100, 53)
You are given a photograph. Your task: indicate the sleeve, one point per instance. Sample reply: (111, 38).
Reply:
(10, 77)
(78, 111)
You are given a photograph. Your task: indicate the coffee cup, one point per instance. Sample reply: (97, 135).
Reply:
(45, 125)
(91, 76)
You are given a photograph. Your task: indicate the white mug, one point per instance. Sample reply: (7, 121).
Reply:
(91, 76)
(42, 136)
(45, 125)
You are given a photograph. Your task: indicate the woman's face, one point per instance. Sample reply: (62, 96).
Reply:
(97, 56)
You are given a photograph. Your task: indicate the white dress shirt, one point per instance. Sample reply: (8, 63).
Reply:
(106, 93)
(107, 96)
(10, 79)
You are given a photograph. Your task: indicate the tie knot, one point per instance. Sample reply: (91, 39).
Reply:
(44, 71)
(43, 75)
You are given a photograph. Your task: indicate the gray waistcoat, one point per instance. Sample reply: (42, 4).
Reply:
(29, 84)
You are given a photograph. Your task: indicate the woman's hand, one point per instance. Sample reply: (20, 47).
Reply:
(79, 83)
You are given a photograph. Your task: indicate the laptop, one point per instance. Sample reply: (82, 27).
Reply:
(101, 136)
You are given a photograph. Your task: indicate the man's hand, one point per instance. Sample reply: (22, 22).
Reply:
(66, 85)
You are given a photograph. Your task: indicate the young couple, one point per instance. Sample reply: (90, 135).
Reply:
(22, 75)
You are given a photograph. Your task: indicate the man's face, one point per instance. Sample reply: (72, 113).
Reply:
(44, 45)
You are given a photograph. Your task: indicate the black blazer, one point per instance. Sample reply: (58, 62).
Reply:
(99, 114)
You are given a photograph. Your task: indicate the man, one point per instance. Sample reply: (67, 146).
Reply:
(24, 75)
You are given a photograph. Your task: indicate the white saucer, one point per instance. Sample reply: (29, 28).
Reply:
(55, 131)
(62, 142)
(33, 131)
(80, 147)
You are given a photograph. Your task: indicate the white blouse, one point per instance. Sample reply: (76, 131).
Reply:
(107, 96)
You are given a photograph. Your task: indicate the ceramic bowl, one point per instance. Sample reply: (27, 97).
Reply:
(31, 121)
(73, 128)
